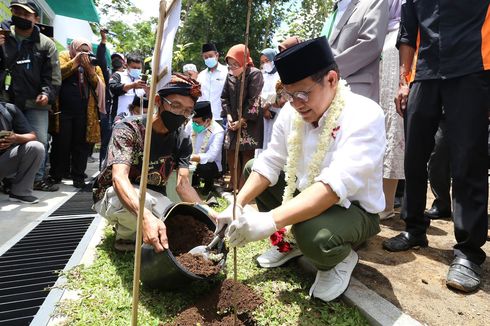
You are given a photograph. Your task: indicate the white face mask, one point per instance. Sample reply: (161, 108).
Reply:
(268, 66)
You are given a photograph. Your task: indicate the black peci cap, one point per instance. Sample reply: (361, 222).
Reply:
(303, 60)
(209, 47)
(202, 109)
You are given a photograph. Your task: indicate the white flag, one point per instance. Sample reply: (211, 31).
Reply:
(170, 28)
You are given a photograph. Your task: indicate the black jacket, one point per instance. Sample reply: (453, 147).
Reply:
(34, 68)
(451, 38)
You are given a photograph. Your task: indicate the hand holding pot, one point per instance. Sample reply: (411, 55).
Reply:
(154, 232)
(251, 226)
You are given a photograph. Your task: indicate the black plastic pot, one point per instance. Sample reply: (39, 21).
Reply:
(162, 270)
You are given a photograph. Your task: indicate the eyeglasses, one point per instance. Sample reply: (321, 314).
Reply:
(302, 96)
(178, 109)
(234, 66)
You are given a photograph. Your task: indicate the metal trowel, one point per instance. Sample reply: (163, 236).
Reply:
(205, 250)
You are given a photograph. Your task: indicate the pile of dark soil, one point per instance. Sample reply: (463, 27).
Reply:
(184, 233)
(198, 265)
(216, 309)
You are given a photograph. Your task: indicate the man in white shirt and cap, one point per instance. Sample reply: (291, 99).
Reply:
(330, 143)
(207, 141)
(212, 79)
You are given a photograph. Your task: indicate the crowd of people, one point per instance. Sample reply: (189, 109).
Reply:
(328, 127)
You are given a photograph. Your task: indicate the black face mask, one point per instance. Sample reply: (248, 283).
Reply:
(21, 23)
(172, 121)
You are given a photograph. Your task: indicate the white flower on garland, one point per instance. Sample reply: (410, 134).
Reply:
(325, 141)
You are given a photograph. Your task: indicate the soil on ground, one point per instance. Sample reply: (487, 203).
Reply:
(414, 280)
(216, 308)
(184, 233)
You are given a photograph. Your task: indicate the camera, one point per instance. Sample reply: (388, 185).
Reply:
(93, 59)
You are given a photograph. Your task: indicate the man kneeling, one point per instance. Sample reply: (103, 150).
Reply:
(330, 144)
(115, 193)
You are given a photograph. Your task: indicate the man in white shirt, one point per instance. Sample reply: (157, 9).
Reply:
(212, 79)
(330, 143)
(124, 85)
(207, 141)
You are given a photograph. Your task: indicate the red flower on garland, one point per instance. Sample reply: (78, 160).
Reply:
(334, 132)
(277, 239)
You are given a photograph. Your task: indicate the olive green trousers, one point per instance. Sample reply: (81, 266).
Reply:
(328, 238)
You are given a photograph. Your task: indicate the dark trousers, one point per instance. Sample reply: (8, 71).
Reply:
(207, 172)
(105, 136)
(465, 101)
(439, 172)
(70, 149)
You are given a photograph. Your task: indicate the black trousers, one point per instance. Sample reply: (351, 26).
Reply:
(465, 101)
(207, 172)
(70, 149)
(439, 172)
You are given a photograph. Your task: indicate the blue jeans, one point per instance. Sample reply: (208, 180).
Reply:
(39, 120)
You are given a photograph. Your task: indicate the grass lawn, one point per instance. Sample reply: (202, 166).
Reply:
(105, 290)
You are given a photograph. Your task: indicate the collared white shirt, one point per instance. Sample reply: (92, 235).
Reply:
(126, 99)
(212, 83)
(353, 167)
(212, 150)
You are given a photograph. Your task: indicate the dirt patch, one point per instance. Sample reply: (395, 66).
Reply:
(216, 308)
(184, 233)
(414, 280)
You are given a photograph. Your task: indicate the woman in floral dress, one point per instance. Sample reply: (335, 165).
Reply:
(251, 122)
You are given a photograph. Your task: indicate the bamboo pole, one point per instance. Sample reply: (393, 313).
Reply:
(237, 148)
(163, 13)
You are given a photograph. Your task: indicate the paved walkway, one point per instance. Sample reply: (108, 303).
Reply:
(14, 217)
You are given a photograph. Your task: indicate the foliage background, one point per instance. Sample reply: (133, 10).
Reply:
(219, 21)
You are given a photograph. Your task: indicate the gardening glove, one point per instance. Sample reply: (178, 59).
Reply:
(251, 226)
(226, 217)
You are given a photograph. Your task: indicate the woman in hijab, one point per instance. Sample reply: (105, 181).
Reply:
(395, 141)
(81, 97)
(251, 122)
(268, 96)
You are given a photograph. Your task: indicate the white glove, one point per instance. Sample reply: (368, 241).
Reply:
(226, 216)
(251, 226)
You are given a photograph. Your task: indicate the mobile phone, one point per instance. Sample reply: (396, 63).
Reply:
(4, 32)
(144, 77)
(5, 133)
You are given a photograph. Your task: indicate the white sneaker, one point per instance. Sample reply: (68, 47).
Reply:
(330, 284)
(274, 258)
(386, 215)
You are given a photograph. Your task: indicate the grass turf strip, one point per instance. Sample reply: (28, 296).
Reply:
(105, 288)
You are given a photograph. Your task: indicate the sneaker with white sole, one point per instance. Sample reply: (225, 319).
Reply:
(24, 199)
(274, 258)
(329, 285)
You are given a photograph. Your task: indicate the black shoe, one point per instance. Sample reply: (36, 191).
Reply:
(43, 185)
(464, 275)
(435, 214)
(79, 183)
(24, 199)
(6, 186)
(405, 241)
(53, 180)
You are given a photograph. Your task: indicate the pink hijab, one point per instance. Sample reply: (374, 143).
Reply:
(100, 91)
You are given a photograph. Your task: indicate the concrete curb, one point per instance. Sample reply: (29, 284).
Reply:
(377, 310)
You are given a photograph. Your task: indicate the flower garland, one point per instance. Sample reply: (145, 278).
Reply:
(283, 238)
(205, 141)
